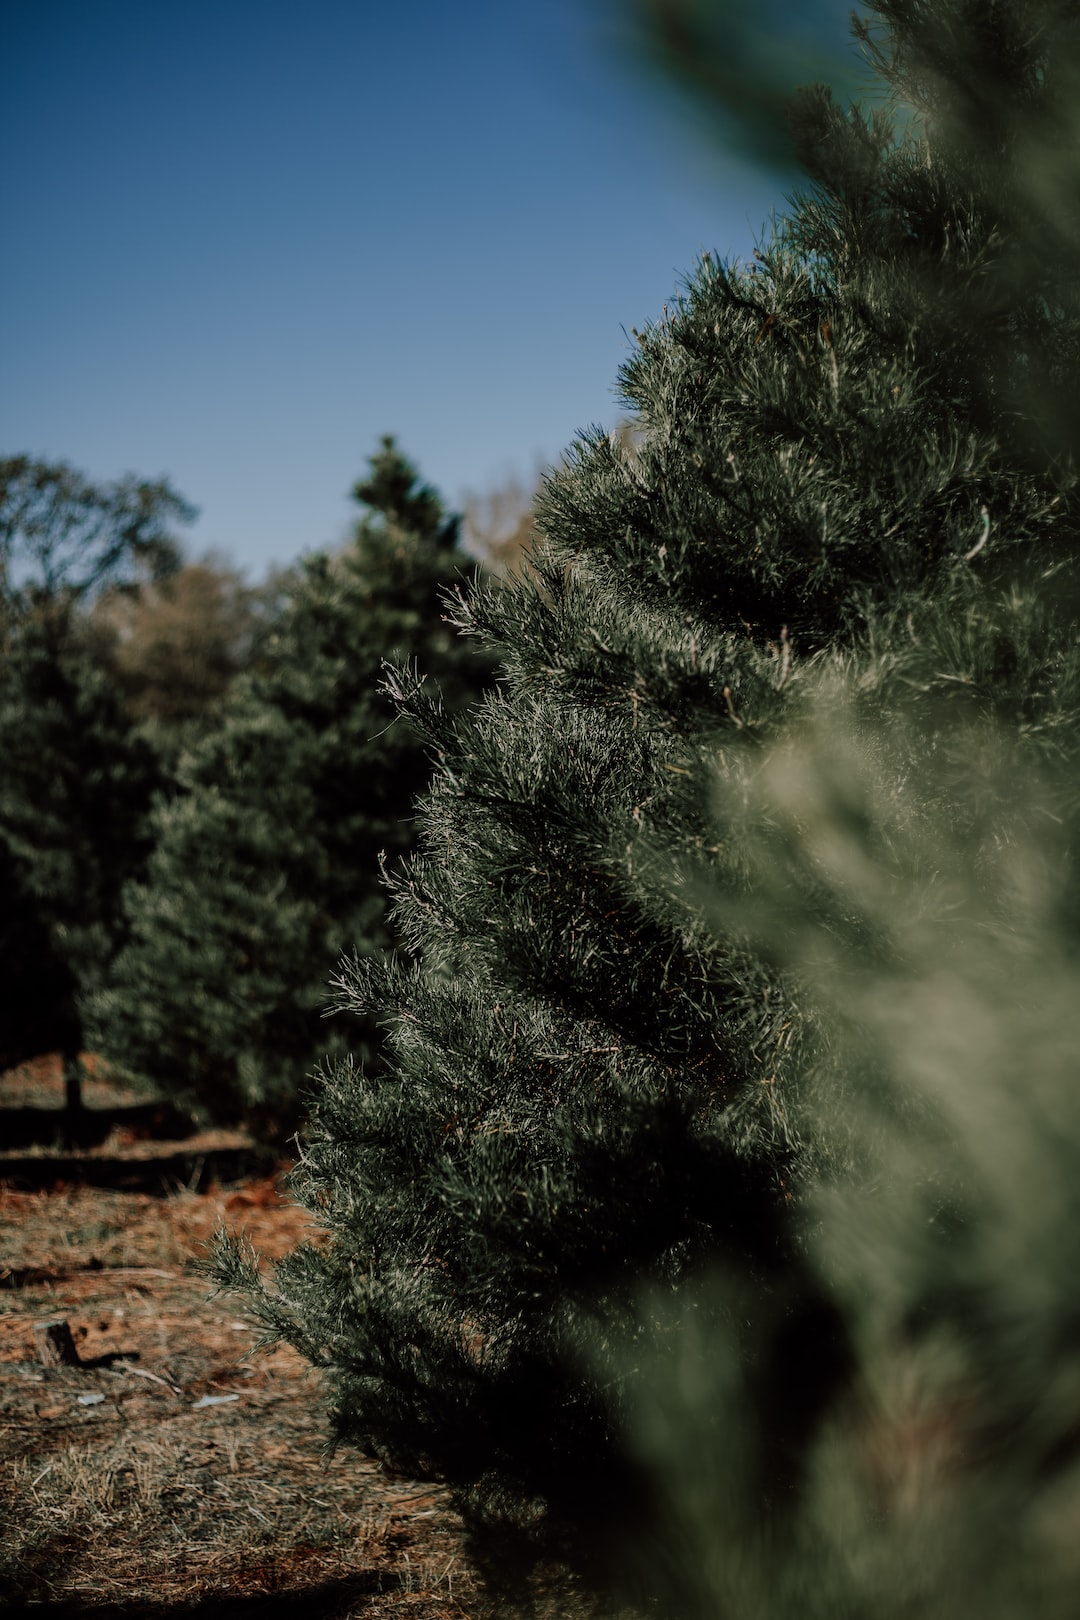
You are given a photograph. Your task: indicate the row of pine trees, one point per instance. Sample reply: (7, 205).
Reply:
(705, 1214)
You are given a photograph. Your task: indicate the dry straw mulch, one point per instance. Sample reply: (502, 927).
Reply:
(129, 1494)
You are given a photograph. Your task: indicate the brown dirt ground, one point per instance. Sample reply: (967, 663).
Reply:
(171, 1474)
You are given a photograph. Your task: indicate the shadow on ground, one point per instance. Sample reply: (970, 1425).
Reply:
(89, 1127)
(131, 1147)
(329, 1600)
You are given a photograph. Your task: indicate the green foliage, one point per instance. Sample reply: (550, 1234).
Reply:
(77, 780)
(63, 537)
(266, 863)
(913, 877)
(737, 66)
(702, 881)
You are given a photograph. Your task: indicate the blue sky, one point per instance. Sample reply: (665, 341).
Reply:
(246, 237)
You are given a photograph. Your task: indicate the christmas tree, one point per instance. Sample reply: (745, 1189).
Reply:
(849, 488)
(78, 779)
(266, 862)
(911, 869)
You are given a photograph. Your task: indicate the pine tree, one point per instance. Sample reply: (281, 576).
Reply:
(77, 779)
(605, 1080)
(266, 863)
(914, 871)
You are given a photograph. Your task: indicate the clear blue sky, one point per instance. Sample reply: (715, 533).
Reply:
(246, 237)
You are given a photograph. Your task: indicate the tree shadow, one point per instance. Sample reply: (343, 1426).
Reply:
(190, 1168)
(330, 1600)
(90, 1127)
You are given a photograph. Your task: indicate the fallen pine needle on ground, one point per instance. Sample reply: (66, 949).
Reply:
(173, 1472)
(169, 1467)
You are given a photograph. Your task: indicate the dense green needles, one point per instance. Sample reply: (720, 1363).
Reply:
(266, 859)
(76, 778)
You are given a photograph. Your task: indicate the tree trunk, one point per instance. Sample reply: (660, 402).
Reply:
(75, 1120)
(73, 1099)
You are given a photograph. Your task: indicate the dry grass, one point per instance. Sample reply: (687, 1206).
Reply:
(204, 1489)
(79, 1229)
(123, 1488)
(39, 1083)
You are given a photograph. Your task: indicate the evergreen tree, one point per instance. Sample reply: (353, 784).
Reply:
(605, 1080)
(913, 870)
(77, 779)
(266, 863)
